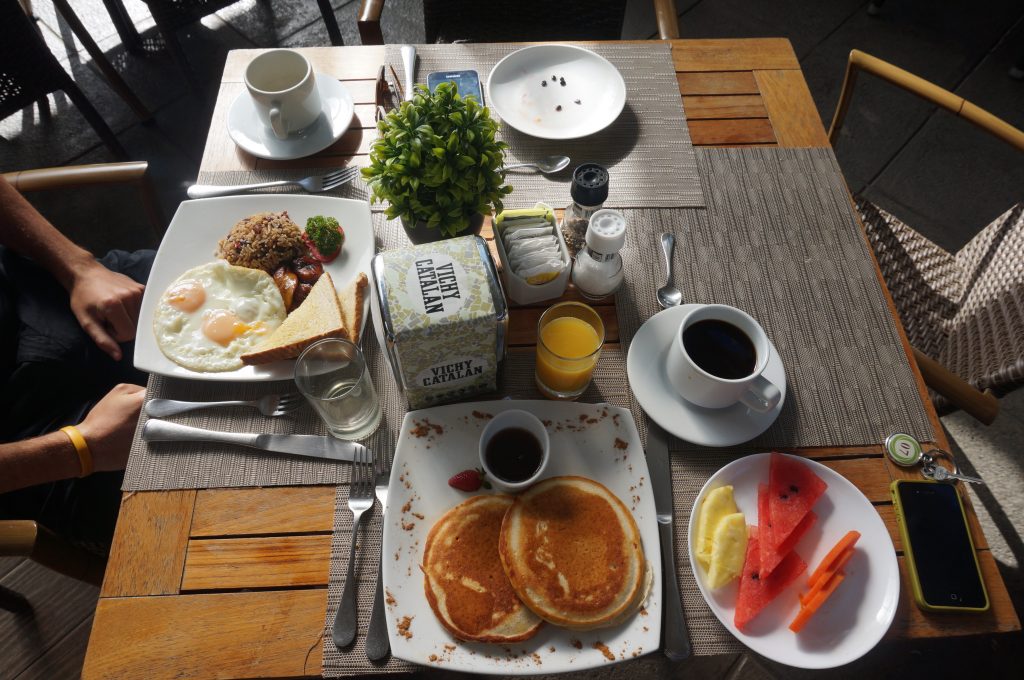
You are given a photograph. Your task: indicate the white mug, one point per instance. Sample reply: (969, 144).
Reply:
(283, 88)
(710, 391)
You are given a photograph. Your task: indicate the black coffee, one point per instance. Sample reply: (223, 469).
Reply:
(721, 349)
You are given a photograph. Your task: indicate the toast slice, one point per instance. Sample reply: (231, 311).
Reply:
(352, 303)
(318, 317)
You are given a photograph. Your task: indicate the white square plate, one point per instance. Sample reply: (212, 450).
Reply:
(583, 442)
(192, 238)
(856, 616)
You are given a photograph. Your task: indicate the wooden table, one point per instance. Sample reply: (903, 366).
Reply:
(233, 582)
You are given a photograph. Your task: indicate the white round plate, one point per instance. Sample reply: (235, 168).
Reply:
(645, 367)
(859, 612)
(516, 94)
(250, 134)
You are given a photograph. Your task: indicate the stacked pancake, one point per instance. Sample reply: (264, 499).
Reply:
(566, 551)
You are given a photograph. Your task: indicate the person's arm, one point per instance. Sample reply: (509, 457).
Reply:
(107, 430)
(105, 303)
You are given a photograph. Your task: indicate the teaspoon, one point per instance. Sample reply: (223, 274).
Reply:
(549, 165)
(669, 295)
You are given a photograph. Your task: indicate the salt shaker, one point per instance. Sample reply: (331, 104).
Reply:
(598, 269)
(589, 191)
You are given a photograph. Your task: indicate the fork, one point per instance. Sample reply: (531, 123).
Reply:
(315, 184)
(272, 405)
(377, 643)
(360, 499)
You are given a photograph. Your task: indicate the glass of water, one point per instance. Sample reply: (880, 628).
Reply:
(333, 376)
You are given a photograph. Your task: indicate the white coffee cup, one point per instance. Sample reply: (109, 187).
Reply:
(283, 88)
(702, 388)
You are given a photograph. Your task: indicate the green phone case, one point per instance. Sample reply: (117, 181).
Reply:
(908, 552)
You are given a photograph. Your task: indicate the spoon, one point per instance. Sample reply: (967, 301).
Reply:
(669, 295)
(549, 165)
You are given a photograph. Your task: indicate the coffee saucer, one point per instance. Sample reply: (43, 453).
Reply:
(250, 134)
(645, 367)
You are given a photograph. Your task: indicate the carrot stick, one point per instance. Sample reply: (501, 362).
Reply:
(819, 598)
(845, 542)
(837, 566)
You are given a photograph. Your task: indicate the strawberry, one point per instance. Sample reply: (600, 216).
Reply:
(468, 480)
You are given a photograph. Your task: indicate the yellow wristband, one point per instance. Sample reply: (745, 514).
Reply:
(81, 447)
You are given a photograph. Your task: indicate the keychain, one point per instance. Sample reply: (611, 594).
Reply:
(906, 451)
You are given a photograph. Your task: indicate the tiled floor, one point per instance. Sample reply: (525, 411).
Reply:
(929, 168)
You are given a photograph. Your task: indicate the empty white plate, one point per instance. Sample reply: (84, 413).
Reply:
(526, 91)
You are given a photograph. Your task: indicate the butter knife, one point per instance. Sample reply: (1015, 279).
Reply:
(313, 446)
(675, 633)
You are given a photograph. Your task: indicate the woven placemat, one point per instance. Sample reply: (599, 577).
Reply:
(779, 240)
(176, 465)
(647, 149)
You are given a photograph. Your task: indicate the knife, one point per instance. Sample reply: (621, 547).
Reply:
(313, 446)
(676, 635)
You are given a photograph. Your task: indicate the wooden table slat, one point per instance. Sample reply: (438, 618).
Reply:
(260, 562)
(732, 132)
(794, 116)
(229, 635)
(729, 82)
(274, 510)
(150, 540)
(724, 54)
(702, 107)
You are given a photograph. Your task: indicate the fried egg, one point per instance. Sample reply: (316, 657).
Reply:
(214, 313)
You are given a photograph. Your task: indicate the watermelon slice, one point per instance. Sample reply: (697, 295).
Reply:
(765, 531)
(793, 489)
(756, 593)
(779, 552)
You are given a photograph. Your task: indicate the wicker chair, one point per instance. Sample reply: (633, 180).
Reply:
(525, 20)
(171, 15)
(29, 72)
(963, 311)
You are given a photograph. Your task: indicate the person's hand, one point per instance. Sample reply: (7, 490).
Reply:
(106, 305)
(109, 426)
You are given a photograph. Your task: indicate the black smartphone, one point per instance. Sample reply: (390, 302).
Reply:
(467, 82)
(937, 543)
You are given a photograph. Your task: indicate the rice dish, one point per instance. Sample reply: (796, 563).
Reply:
(262, 241)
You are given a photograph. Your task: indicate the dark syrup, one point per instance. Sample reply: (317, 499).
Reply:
(513, 454)
(720, 348)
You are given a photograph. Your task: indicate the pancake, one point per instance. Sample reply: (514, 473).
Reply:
(464, 580)
(573, 554)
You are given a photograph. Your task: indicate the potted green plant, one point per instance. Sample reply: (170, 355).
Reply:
(438, 165)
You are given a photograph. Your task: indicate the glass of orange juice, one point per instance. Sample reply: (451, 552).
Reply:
(569, 339)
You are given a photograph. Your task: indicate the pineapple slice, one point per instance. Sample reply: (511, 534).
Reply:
(728, 549)
(717, 504)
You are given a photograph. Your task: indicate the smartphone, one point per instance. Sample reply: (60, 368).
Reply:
(467, 82)
(937, 543)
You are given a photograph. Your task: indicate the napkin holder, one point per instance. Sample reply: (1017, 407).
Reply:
(519, 290)
(440, 313)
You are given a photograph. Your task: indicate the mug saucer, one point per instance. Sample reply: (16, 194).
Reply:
(251, 135)
(645, 367)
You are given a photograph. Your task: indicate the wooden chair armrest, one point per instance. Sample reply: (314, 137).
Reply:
(668, 21)
(368, 22)
(982, 405)
(28, 538)
(860, 61)
(77, 175)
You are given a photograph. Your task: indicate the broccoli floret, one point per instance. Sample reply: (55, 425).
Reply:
(325, 233)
